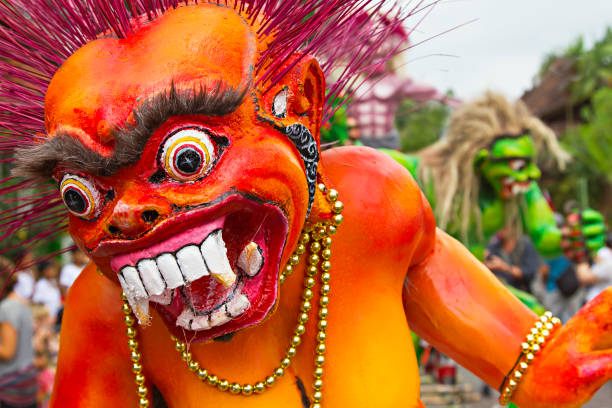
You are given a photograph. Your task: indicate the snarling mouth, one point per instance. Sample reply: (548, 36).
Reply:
(211, 271)
(512, 187)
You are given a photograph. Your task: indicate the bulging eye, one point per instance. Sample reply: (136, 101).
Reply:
(80, 196)
(188, 154)
(518, 164)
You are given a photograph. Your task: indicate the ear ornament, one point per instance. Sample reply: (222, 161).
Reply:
(309, 152)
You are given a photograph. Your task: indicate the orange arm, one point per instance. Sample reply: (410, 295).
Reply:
(93, 364)
(455, 303)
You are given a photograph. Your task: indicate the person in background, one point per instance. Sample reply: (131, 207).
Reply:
(513, 258)
(25, 274)
(46, 345)
(597, 276)
(46, 290)
(18, 385)
(72, 270)
(352, 128)
(562, 303)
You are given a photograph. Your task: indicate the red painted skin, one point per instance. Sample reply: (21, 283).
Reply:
(388, 235)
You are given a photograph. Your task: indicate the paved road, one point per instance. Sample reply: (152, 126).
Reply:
(603, 398)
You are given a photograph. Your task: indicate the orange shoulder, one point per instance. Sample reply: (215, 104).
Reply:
(383, 202)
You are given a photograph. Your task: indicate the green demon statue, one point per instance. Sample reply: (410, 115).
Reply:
(482, 175)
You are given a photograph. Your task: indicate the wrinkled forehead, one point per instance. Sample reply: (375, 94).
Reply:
(98, 87)
(521, 146)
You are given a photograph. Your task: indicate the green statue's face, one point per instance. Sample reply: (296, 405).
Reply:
(508, 165)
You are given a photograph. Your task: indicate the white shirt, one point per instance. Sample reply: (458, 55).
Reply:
(47, 293)
(603, 270)
(69, 274)
(25, 284)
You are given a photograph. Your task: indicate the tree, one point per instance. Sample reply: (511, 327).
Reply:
(590, 141)
(591, 146)
(420, 125)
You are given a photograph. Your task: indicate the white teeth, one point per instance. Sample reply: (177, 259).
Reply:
(139, 305)
(133, 283)
(200, 323)
(189, 321)
(170, 271)
(508, 180)
(164, 299)
(250, 259)
(185, 318)
(151, 278)
(235, 307)
(219, 317)
(215, 254)
(192, 265)
(516, 189)
(238, 305)
(155, 280)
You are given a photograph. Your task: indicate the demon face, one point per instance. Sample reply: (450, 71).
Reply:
(508, 165)
(186, 180)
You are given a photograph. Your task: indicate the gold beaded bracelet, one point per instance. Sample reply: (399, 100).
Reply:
(319, 238)
(534, 341)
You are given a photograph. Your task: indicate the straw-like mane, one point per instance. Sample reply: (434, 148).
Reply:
(449, 163)
(36, 36)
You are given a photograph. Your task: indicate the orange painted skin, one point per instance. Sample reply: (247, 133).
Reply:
(388, 235)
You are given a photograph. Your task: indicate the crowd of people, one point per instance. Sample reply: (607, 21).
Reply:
(30, 317)
(562, 284)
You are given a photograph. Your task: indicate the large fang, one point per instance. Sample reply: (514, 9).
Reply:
(139, 305)
(215, 255)
(133, 283)
(250, 259)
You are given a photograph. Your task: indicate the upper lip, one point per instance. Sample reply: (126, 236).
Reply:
(169, 226)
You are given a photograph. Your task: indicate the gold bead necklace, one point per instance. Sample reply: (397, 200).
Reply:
(316, 239)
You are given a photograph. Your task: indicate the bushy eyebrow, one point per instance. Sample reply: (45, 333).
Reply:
(39, 161)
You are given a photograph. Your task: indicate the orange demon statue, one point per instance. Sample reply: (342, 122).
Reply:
(184, 142)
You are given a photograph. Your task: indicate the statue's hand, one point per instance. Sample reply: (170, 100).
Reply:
(574, 363)
(586, 234)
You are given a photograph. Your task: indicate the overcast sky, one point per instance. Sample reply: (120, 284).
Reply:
(503, 49)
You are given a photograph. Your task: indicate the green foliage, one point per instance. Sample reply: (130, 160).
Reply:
(13, 243)
(594, 69)
(420, 125)
(335, 130)
(593, 66)
(591, 142)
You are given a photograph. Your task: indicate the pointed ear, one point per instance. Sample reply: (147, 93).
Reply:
(480, 157)
(298, 97)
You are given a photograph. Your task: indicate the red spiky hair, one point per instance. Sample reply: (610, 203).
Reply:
(36, 36)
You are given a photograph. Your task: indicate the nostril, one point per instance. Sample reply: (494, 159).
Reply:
(149, 216)
(114, 230)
